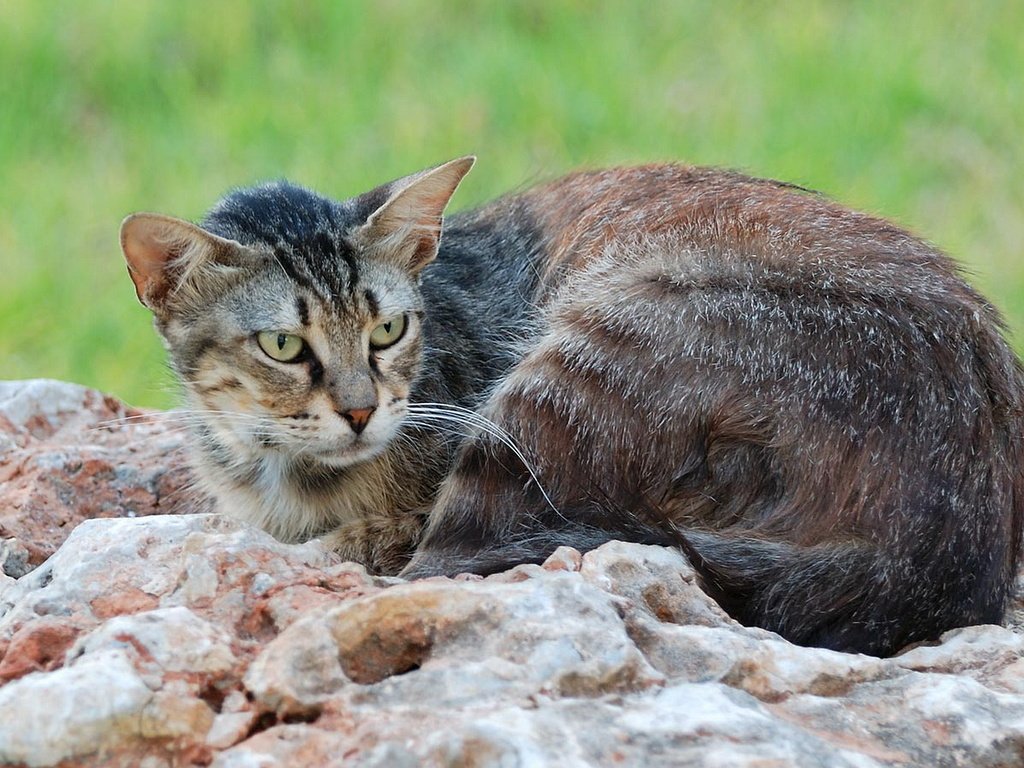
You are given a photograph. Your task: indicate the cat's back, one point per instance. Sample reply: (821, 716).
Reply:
(779, 270)
(822, 330)
(717, 226)
(738, 272)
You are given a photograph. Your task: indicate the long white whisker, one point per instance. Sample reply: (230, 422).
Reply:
(464, 416)
(176, 416)
(474, 420)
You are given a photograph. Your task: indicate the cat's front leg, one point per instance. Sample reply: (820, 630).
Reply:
(515, 493)
(495, 512)
(468, 527)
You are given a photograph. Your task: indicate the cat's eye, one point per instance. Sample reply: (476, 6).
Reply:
(283, 347)
(388, 332)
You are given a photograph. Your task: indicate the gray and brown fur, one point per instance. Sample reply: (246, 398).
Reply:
(809, 401)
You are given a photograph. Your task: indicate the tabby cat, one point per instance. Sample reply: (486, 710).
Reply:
(809, 401)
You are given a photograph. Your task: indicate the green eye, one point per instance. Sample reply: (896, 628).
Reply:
(388, 332)
(283, 347)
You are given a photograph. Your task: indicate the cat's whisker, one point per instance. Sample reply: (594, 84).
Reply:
(474, 421)
(469, 415)
(160, 429)
(483, 428)
(175, 416)
(112, 424)
(465, 416)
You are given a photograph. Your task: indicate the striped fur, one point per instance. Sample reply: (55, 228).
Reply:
(809, 401)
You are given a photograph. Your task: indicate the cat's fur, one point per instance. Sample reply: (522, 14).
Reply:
(809, 401)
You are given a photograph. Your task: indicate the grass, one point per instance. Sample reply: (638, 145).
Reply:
(911, 110)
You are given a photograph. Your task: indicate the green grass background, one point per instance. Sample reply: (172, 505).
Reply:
(911, 110)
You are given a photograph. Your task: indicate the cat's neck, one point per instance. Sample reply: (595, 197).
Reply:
(480, 297)
(295, 499)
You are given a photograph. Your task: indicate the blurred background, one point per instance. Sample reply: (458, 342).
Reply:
(913, 111)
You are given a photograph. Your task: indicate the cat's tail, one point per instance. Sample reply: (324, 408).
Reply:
(847, 596)
(827, 595)
(810, 595)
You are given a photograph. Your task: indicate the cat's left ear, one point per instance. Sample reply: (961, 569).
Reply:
(170, 259)
(407, 226)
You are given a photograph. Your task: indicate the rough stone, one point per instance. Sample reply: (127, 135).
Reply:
(68, 453)
(190, 639)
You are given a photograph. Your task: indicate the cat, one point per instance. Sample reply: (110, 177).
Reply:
(809, 401)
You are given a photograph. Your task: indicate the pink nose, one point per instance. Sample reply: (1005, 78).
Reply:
(357, 418)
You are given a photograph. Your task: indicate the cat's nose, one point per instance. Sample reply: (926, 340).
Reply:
(357, 418)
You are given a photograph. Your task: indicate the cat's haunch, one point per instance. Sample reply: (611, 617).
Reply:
(807, 400)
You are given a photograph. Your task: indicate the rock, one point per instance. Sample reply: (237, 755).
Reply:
(80, 709)
(181, 639)
(68, 453)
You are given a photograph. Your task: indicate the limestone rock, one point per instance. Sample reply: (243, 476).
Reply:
(68, 453)
(191, 639)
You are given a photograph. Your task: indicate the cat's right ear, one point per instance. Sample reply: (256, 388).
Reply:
(165, 255)
(406, 226)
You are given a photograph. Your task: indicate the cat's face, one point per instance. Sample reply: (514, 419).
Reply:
(284, 366)
(294, 322)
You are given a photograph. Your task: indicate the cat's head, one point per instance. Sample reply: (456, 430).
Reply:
(293, 321)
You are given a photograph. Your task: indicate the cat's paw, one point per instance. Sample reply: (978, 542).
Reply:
(382, 545)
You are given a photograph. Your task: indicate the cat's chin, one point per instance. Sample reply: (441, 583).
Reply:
(328, 454)
(342, 459)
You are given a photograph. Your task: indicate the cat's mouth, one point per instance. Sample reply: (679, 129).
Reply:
(335, 451)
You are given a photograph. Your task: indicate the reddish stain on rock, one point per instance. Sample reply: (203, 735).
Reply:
(38, 646)
(78, 454)
(123, 603)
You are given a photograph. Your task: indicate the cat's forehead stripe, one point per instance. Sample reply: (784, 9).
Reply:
(305, 232)
(298, 276)
(321, 256)
(319, 266)
(371, 302)
(353, 268)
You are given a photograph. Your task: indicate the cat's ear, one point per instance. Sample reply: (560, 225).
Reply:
(165, 254)
(407, 226)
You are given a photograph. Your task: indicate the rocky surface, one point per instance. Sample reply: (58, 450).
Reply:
(68, 454)
(194, 640)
